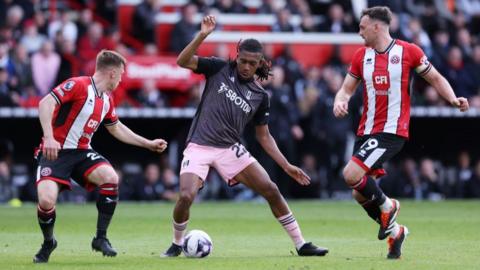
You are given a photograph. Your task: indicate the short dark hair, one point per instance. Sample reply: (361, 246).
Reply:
(107, 58)
(254, 46)
(381, 13)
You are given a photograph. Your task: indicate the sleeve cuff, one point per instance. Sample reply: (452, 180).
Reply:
(354, 76)
(55, 97)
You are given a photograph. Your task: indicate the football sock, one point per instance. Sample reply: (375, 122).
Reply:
(106, 203)
(46, 220)
(395, 230)
(290, 225)
(372, 210)
(387, 205)
(179, 232)
(370, 190)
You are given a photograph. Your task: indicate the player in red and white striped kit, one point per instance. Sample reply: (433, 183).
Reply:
(383, 67)
(69, 116)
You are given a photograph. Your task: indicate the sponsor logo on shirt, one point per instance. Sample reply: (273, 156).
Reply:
(234, 98)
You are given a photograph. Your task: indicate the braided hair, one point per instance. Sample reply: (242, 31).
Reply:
(254, 46)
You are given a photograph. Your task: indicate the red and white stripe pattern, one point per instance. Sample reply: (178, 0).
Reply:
(82, 108)
(385, 76)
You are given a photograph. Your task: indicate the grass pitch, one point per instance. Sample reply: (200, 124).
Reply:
(443, 235)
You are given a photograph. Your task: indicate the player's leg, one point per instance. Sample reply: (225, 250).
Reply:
(104, 176)
(372, 210)
(189, 185)
(371, 153)
(47, 191)
(194, 169)
(255, 177)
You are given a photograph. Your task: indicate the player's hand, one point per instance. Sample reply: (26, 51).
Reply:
(157, 145)
(208, 25)
(461, 103)
(298, 174)
(340, 109)
(50, 148)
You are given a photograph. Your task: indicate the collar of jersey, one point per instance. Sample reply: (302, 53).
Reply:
(97, 93)
(390, 46)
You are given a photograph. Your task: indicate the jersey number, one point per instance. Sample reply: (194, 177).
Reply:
(93, 156)
(239, 150)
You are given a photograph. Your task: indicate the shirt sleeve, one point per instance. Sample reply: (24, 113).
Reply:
(66, 91)
(111, 118)
(419, 60)
(263, 112)
(356, 66)
(209, 65)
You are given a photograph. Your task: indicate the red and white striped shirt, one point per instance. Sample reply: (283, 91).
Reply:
(81, 109)
(385, 76)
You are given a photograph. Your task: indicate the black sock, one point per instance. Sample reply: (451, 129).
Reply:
(106, 203)
(370, 190)
(46, 220)
(372, 210)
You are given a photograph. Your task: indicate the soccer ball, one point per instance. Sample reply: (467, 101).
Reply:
(197, 244)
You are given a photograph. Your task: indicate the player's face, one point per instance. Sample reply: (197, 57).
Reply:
(115, 77)
(247, 64)
(368, 30)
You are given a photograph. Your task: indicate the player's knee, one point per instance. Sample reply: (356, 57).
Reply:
(46, 201)
(186, 197)
(350, 176)
(271, 192)
(111, 178)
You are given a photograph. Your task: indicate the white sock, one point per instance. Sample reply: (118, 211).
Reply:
(387, 205)
(395, 230)
(179, 232)
(290, 225)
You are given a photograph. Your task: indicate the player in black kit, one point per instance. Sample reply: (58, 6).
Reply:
(231, 99)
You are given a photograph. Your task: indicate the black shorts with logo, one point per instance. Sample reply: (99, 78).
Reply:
(74, 164)
(371, 151)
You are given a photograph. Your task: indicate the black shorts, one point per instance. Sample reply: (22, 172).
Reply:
(371, 151)
(74, 164)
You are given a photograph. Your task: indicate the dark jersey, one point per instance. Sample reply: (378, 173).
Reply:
(227, 105)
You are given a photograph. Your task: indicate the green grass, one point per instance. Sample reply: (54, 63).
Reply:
(443, 235)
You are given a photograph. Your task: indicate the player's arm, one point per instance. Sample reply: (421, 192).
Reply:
(270, 146)
(187, 57)
(443, 87)
(340, 105)
(126, 135)
(50, 146)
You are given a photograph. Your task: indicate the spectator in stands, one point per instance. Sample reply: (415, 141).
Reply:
(464, 41)
(293, 69)
(459, 77)
(441, 46)
(184, 30)
(308, 24)
(268, 7)
(283, 23)
(298, 7)
(84, 20)
(170, 185)
(15, 15)
(65, 25)
(195, 95)
(284, 123)
(430, 180)
(149, 96)
(337, 21)
(149, 187)
(7, 96)
(432, 98)
(464, 173)
(308, 90)
(415, 33)
(41, 23)
(144, 20)
(330, 132)
(309, 166)
(230, 6)
(5, 59)
(473, 185)
(31, 39)
(45, 65)
(409, 173)
(90, 44)
(23, 69)
(69, 65)
(474, 68)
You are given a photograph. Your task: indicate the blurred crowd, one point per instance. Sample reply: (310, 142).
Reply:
(45, 42)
